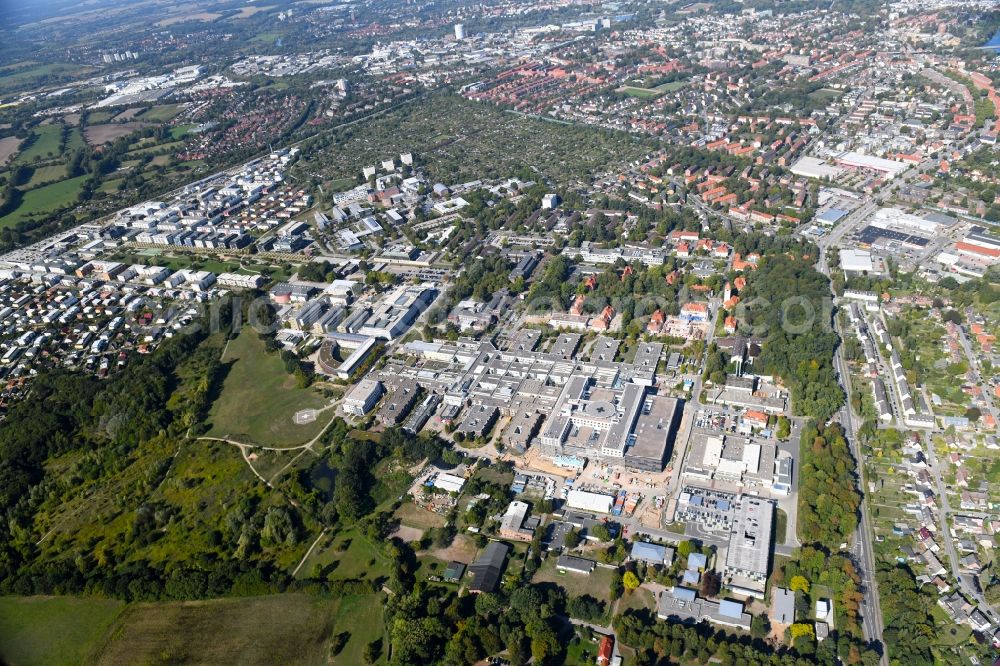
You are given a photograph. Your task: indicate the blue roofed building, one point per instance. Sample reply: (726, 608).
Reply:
(730, 609)
(697, 561)
(831, 215)
(683, 604)
(652, 553)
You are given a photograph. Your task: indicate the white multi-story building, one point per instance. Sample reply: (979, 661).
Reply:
(363, 397)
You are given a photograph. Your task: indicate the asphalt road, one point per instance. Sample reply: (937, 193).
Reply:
(862, 547)
(862, 542)
(974, 365)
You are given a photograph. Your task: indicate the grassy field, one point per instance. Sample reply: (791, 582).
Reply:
(412, 515)
(161, 113)
(650, 93)
(201, 487)
(194, 165)
(46, 174)
(286, 628)
(49, 631)
(494, 475)
(110, 186)
(31, 74)
(640, 93)
(341, 184)
(345, 555)
(181, 130)
(266, 37)
(259, 398)
(45, 144)
(637, 599)
(205, 17)
(100, 134)
(206, 481)
(247, 12)
(45, 199)
(360, 616)
(128, 114)
(580, 651)
(199, 484)
(597, 584)
(824, 95)
(95, 117)
(169, 146)
(670, 87)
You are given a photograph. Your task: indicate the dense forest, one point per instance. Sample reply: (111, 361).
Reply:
(909, 626)
(828, 494)
(789, 306)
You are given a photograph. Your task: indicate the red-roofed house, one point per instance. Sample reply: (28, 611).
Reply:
(761, 216)
(694, 311)
(605, 651)
(656, 322)
(740, 264)
(603, 320)
(677, 236)
(739, 212)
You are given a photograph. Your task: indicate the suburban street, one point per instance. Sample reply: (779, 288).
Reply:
(974, 366)
(944, 511)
